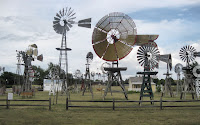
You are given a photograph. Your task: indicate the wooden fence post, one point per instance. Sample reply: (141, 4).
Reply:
(49, 103)
(7, 105)
(160, 103)
(67, 103)
(113, 104)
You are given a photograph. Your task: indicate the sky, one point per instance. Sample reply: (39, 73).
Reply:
(25, 22)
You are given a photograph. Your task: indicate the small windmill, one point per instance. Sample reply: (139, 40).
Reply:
(93, 74)
(167, 58)
(178, 70)
(87, 81)
(188, 54)
(54, 82)
(62, 23)
(105, 73)
(77, 75)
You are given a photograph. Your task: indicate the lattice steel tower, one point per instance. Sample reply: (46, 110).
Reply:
(62, 23)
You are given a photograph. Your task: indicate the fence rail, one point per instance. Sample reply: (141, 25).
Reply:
(8, 103)
(113, 106)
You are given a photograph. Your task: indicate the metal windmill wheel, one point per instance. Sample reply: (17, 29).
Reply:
(148, 56)
(113, 36)
(178, 68)
(187, 53)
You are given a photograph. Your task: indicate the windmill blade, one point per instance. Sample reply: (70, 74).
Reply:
(66, 11)
(68, 24)
(63, 12)
(70, 19)
(58, 15)
(57, 19)
(72, 15)
(55, 22)
(69, 11)
(66, 27)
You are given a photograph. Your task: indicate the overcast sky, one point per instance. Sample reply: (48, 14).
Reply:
(24, 22)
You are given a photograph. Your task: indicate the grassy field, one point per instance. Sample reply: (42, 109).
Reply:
(96, 116)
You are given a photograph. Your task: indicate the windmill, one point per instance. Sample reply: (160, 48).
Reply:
(54, 82)
(93, 74)
(105, 73)
(18, 71)
(147, 56)
(28, 56)
(77, 75)
(178, 70)
(196, 73)
(87, 81)
(112, 40)
(16, 89)
(167, 58)
(62, 23)
(188, 54)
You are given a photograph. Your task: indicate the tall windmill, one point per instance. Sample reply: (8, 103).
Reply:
(167, 58)
(178, 70)
(62, 23)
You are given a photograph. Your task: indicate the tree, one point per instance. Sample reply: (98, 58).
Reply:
(156, 80)
(126, 81)
(39, 75)
(8, 79)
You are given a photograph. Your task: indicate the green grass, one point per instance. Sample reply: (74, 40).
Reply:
(96, 116)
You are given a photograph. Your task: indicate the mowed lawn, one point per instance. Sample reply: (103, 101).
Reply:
(99, 116)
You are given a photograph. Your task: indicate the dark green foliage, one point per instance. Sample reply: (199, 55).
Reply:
(39, 74)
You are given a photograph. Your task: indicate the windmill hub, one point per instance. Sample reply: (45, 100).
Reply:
(113, 36)
(148, 55)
